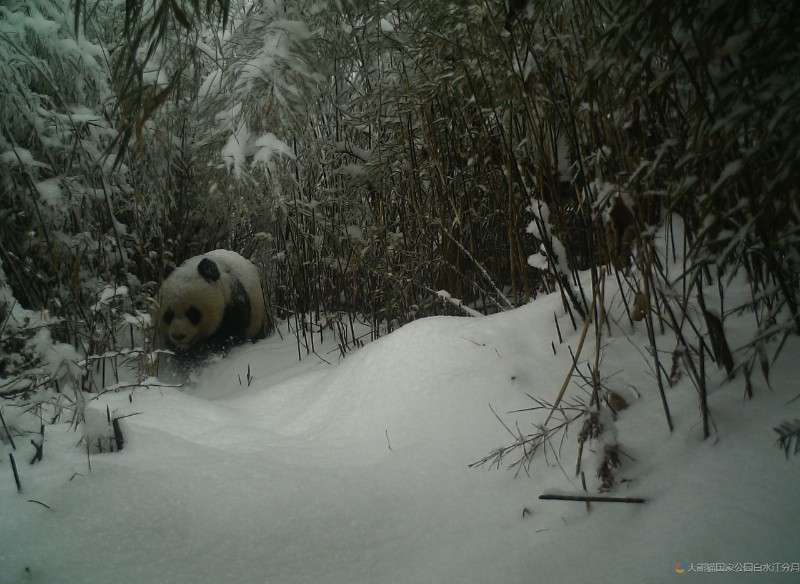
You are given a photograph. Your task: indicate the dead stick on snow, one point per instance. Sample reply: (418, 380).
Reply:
(592, 498)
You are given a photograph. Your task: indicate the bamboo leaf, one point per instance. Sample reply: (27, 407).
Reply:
(180, 15)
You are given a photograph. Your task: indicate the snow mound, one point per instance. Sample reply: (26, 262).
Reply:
(266, 469)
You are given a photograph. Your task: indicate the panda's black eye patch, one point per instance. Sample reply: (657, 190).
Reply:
(194, 315)
(168, 316)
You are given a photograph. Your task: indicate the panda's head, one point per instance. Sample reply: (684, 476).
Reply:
(191, 305)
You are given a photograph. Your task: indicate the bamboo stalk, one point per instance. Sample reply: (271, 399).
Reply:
(15, 471)
(649, 289)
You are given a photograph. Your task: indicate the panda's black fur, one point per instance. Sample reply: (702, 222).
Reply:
(211, 302)
(237, 310)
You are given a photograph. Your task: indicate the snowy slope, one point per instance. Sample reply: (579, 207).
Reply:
(359, 471)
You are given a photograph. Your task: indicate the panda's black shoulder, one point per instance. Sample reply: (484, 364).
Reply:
(237, 315)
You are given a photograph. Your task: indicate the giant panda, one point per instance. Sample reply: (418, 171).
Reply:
(210, 302)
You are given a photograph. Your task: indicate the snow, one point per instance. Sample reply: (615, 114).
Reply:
(538, 261)
(731, 169)
(15, 21)
(267, 146)
(242, 145)
(50, 192)
(108, 294)
(237, 149)
(212, 84)
(20, 156)
(386, 26)
(358, 471)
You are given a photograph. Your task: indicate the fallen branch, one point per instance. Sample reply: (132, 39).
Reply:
(592, 498)
(445, 295)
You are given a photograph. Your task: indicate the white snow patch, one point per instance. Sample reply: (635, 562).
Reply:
(242, 145)
(386, 26)
(267, 146)
(18, 156)
(358, 472)
(50, 192)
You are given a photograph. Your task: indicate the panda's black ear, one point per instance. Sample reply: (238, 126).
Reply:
(168, 269)
(208, 270)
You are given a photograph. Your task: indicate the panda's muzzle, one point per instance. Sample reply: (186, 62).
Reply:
(178, 337)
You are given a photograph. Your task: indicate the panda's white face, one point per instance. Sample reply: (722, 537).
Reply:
(183, 325)
(190, 309)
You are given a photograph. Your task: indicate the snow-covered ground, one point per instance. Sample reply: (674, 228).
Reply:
(358, 471)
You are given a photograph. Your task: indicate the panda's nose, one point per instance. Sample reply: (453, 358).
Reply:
(178, 337)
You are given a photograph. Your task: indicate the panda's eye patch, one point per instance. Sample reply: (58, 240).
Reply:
(194, 315)
(168, 316)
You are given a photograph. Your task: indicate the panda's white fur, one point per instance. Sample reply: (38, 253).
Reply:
(211, 299)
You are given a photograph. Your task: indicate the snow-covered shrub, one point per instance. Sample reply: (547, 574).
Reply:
(71, 225)
(40, 379)
(59, 225)
(29, 357)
